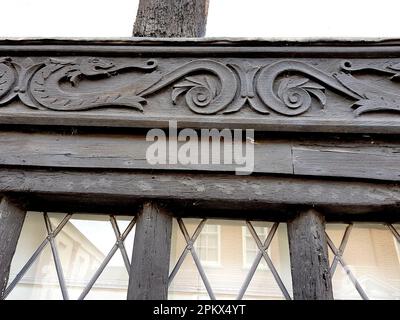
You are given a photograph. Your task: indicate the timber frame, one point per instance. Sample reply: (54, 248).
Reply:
(74, 115)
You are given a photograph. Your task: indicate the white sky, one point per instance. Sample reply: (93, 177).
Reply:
(233, 18)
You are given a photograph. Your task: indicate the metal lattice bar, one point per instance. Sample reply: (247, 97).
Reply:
(267, 259)
(188, 248)
(56, 257)
(108, 258)
(350, 274)
(120, 243)
(394, 232)
(34, 256)
(190, 243)
(256, 262)
(342, 247)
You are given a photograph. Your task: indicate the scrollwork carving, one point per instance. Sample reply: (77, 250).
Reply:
(201, 96)
(8, 80)
(286, 87)
(293, 98)
(371, 98)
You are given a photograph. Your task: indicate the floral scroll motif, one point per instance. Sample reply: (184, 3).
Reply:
(286, 87)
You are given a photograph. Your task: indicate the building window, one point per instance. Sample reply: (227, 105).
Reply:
(250, 248)
(208, 245)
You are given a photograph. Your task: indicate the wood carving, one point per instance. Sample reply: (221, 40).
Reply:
(39, 85)
(286, 87)
(294, 97)
(371, 97)
(203, 95)
(8, 79)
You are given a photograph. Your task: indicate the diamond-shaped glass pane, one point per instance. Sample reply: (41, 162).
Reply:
(82, 245)
(343, 288)
(112, 284)
(372, 256)
(227, 250)
(40, 282)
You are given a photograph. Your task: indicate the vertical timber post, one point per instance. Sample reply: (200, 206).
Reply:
(151, 252)
(311, 276)
(172, 18)
(11, 220)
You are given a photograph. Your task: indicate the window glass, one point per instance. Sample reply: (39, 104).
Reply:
(82, 245)
(371, 257)
(233, 245)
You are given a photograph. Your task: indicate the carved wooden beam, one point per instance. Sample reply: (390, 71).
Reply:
(285, 86)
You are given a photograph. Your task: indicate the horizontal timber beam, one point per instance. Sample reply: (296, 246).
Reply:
(362, 157)
(81, 190)
(309, 86)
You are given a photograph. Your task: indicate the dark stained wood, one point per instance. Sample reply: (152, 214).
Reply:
(377, 162)
(105, 120)
(183, 46)
(120, 151)
(311, 277)
(367, 158)
(151, 253)
(177, 18)
(212, 190)
(148, 278)
(149, 273)
(11, 220)
(334, 103)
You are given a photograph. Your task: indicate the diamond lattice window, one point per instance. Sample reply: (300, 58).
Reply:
(72, 256)
(364, 261)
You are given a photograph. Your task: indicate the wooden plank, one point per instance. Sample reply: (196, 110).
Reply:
(311, 276)
(125, 120)
(11, 220)
(120, 151)
(218, 190)
(151, 253)
(340, 89)
(370, 163)
(363, 158)
(233, 46)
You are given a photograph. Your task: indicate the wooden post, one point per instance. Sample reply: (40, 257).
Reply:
(11, 220)
(172, 18)
(151, 254)
(311, 277)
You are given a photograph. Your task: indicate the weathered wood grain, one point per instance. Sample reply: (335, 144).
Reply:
(179, 18)
(122, 151)
(214, 190)
(322, 59)
(366, 158)
(104, 120)
(358, 48)
(11, 220)
(374, 163)
(148, 279)
(309, 257)
(151, 252)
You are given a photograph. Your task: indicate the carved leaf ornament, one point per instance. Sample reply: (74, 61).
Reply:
(286, 87)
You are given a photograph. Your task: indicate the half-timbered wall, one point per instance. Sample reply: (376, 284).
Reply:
(74, 115)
